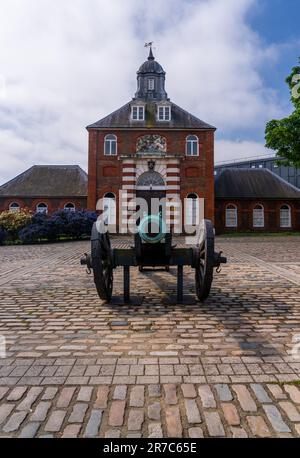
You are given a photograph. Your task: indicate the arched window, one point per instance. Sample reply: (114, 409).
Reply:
(70, 207)
(231, 216)
(14, 207)
(109, 207)
(110, 145)
(192, 145)
(150, 180)
(285, 216)
(258, 216)
(42, 208)
(192, 210)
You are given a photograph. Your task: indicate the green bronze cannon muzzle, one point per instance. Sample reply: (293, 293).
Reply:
(152, 228)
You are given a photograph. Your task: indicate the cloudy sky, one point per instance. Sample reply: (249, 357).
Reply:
(64, 65)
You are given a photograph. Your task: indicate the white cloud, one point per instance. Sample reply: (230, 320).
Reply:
(67, 64)
(229, 150)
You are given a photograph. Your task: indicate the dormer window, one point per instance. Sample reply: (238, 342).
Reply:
(164, 113)
(150, 84)
(138, 113)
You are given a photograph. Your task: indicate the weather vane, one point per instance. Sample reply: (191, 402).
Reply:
(149, 45)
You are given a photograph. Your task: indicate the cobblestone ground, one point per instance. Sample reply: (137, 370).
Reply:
(77, 367)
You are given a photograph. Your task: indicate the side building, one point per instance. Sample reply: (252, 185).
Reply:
(255, 200)
(45, 189)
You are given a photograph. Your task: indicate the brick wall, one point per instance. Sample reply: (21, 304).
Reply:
(53, 203)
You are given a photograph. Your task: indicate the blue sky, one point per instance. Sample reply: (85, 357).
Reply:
(226, 62)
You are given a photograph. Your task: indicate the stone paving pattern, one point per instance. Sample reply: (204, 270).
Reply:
(77, 367)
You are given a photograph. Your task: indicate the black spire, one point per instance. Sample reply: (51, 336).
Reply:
(151, 57)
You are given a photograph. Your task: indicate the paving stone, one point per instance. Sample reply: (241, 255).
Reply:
(5, 410)
(137, 396)
(93, 425)
(55, 421)
(154, 391)
(214, 424)
(120, 392)
(224, 392)
(71, 431)
(277, 392)
(192, 411)
(260, 393)
(170, 394)
(3, 392)
(207, 397)
(173, 422)
(40, 412)
(230, 413)
(246, 401)
(30, 430)
(113, 434)
(155, 430)
(293, 392)
(188, 390)
(14, 422)
(135, 419)
(101, 399)
(195, 432)
(238, 433)
(258, 426)
(78, 413)
(85, 393)
(290, 410)
(275, 418)
(154, 411)
(116, 413)
(49, 393)
(17, 393)
(65, 397)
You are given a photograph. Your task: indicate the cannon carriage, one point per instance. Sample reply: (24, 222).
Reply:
(156, 249)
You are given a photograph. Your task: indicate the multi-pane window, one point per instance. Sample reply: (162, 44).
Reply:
(192, 210)
(42, 208)
(192, 145)
(164, 113)
(109, 207)
(14, 207)
(110, 145)
(138, 113)
(258, 216)
(69, 207)
(150, 84)
(285, 216)
(231, 216)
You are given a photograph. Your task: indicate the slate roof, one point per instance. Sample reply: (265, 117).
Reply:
(48, 181)
(180, 119)
(253, 183)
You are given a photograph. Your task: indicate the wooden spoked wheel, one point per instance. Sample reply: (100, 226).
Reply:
(102, 265)
(205, 260)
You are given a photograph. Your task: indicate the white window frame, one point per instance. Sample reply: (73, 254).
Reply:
(258, 216)
(14, 207)
(43, 209)
(191, 142)
(164, 113)
(151, 84)
(108, 143)
(138, 113)
(231, 216)
(70, 209)
(283, 216)
(110, 204)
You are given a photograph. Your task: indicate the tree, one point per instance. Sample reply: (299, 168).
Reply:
(283, 135)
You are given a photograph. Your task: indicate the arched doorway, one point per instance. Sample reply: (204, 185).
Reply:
(151, 185)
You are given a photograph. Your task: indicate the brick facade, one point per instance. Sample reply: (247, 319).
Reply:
(53, 203)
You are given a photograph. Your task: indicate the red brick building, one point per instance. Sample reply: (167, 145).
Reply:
(46, 188)
(255, 200)
(150, 147)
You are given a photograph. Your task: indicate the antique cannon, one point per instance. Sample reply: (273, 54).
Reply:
(153, 248)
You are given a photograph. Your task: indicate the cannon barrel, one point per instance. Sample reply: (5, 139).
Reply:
(152, 228)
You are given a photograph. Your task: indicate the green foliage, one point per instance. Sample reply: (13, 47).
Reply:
(13, 222)
(283, 135)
